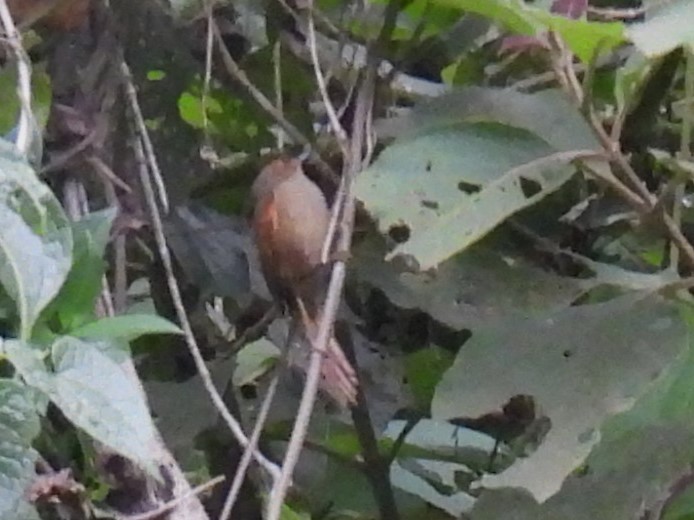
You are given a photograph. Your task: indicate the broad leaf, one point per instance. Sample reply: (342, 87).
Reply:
(19, 425)
(254, 360)
(451, 186)
(93, 390)
(97, 395)
(35, 239)
(583, 38)
(126, 327)
(581, 366)
(211, 248)
(477, 287)
(75, 301)
(644, 454)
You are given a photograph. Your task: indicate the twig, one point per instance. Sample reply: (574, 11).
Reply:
(208, 68)
(376, 466)
(292, 131)
(164, 508)
(120, 276)
(339, 131)
(616, 14)
(685, 148)
(252, 446)
(142, 131)
(175, 292)
(26, 116)
(352, 165)
(103, 170)
(279, 99)
(255, 329)
(65, 157)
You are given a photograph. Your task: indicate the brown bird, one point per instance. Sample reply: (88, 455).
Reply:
(290, 223)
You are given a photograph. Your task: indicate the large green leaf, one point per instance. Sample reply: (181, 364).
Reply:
(581, 365)
(480, 286)
(465, 162)
(19, 424)
(547, 114)
(127, 327)
(94, 391)
(75, 301)
(35, 238)
(451, 186)
(643, 456)
(91, 387)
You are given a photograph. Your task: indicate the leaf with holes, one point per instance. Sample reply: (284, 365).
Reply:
(581, 365)
(451, 186)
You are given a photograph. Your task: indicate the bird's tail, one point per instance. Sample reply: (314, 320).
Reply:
(338, 378)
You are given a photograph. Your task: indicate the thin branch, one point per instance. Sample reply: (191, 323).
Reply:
(142, 131)
(353, 164)
(208, 67)
(263, 102)
(175, 292)
(26, 124)
(616, 14)
(104, 171)
(339, 131)
(248, 451)
(376, 466)
(279, 98)
(165, 508)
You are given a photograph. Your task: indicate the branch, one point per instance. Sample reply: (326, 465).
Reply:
(352, 165)
(376, 466)
(249, 450)
(165, 508)
(143, 133)
(174, 289)
(292, 131)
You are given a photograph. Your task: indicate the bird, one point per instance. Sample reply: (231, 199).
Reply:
(290, 223)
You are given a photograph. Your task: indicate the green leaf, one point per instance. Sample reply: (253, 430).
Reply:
(547, 114)
(19, 425)
(74, 304)
(35, 238)
(583, 38)
(642, 453)
(254, 360)
(670, 27)
(94, 391)
(424, 369)
(455, 173)
(477, 287)
(513, 15)
(581, 366)
(96, 394)
(41, 97)
(126, 327)
(452, 186)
